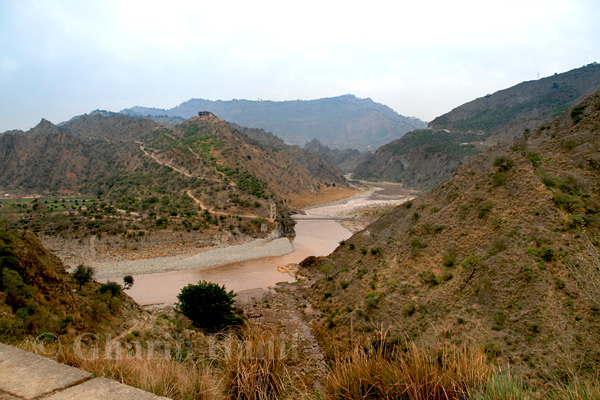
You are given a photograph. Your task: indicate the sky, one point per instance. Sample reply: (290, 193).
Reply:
(61, 58)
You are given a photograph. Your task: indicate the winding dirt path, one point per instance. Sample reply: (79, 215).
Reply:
(213, 211)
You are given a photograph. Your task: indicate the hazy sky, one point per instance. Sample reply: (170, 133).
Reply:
(61, 58)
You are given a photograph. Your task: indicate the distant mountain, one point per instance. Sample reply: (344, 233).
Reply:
(338, 122)
(346, 160)
(503, 257)
(165, 175)
(422, 159)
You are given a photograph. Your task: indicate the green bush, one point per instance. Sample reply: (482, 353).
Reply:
(566, 202)
(484, 208)
(408, 309)
(535, 159)
(429, 278)
(111, 287)
(449, 259)
(504, 164)
(577, 114)
(208, 305)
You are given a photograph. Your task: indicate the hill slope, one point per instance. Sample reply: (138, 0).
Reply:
(37, 294)
(339, 122)
(423, 159)
(159, 177)
(504, 256)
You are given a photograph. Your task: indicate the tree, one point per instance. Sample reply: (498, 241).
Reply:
(83, 275)
(208, 305)
(127, 281)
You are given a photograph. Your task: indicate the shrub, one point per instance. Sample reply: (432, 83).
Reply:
(208, 305)
(372, 299)
(547, 254)
(376, 251)
(415, 243)
(83, 274)
(429, 278)
(113, 287)
(566, 202)
(484, 208)
(408, 309)
(449, 259)
(535, 159)
(504, 164)
(499, 178)
(577, 114)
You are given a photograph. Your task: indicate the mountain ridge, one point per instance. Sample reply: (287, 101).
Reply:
(330, 120)
(474, 126)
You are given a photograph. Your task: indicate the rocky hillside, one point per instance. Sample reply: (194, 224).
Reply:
(346, 160)
(505, 114)
(423, 159)
(339, 122)
(37, 295)
(138, 175)
(502, 256)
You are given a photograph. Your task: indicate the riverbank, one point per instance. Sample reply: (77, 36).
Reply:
(259, 248)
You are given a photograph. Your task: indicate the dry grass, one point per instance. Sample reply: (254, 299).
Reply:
(586, 271)
(578, 390)
(254, 366)
(503, 387)
(187, 379)
(419, 373)
(251, 364)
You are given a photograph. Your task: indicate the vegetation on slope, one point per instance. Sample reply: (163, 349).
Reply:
(116, 175)
(494, 258)
(423, 159)
(38, 296)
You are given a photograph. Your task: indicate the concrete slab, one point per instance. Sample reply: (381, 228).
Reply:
(30, 376)
(105, 389)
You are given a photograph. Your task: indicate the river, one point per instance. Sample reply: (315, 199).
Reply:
(315, 236)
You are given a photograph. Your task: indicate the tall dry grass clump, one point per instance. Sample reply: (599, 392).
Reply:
(586, 271)
(577, 390)
(419, 373)
(503, 387)
(254, 365)
(155, 373)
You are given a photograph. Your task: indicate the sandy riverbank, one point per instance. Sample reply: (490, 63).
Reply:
(259, 248)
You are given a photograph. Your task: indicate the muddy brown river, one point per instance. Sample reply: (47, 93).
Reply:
(314, 237)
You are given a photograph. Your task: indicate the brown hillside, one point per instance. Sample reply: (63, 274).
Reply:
(500, 256)
(38, 296)
(110, 174)
(422, 159)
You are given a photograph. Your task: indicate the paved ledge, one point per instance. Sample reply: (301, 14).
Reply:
(27, 376)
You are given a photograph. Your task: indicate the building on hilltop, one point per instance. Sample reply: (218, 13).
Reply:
(205, 114)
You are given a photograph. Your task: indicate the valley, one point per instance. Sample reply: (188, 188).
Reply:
(493, 269)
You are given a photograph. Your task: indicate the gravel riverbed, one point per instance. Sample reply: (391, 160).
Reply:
(259, 248)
